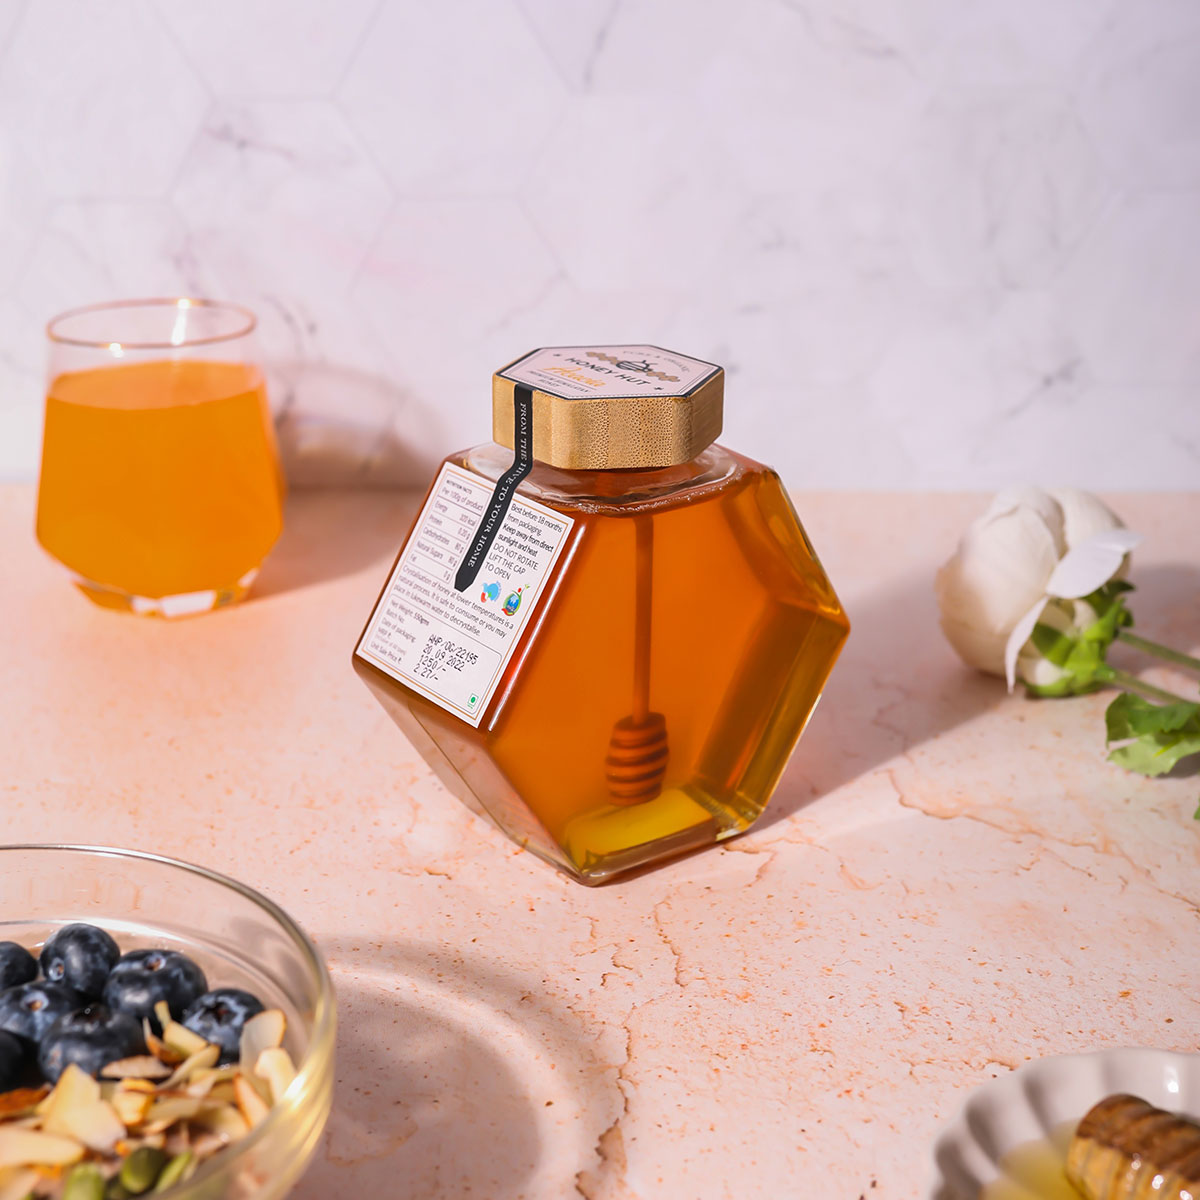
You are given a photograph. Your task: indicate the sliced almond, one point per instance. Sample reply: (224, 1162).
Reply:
(75, 1089)
(276, 1067)
(17, 1183)
(140, 1066)
(263, 1031)
(222, 1093)
(131, 1106)
(32, 1148)
(99, 1127)
(203, 1082)
(20, 1101)
(259, 1085)
(216, 1074)
(137, 1085)
(250, 1104)
(75, 1109)
(183, 1040)
(96, 1125)
(201, 1060)
(158, 1047)
(200, 1087)
(165, 1112)
(162, 1010)
(225, 1121)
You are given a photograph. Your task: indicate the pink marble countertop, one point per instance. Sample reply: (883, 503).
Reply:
(949, 882)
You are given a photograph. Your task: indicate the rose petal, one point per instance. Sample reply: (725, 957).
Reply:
(1083, 515)
(976, 647)
(1001, 567)
(1019, 636)
(1041, 672)
(1092, 563)
(1033, 500)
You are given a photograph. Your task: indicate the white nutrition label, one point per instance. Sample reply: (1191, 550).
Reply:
(452, 646)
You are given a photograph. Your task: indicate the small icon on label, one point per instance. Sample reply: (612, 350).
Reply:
(491, 591)
(472, 700)
(511, 602)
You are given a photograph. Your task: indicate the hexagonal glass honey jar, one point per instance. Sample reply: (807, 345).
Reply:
(605, 631)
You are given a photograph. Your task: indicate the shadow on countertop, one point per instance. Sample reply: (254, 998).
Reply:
(1165, 606)
(354, 479)
(898, 683)
(328, 533)
(453, 1080)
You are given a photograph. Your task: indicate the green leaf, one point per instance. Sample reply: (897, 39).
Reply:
(1118, 720)
(1156, 736)
(1131, 716)
(1155, 754)
(1167, 718)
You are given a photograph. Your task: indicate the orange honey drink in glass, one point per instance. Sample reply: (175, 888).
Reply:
(160, 489)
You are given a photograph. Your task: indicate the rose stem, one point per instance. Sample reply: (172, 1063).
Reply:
(1149, 647)
(1131, 683)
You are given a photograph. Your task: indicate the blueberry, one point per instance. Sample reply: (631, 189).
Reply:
(219, 1016)
(29, 1009)
(17, 965)
(90, 1038)
(142, 978)
(12, 1060)
(80, 956)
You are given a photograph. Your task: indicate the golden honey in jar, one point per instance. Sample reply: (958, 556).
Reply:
(604, 630)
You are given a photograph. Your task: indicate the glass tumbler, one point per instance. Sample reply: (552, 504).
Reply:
(160, 490)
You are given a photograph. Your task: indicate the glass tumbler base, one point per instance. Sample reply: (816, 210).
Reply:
(186, 604)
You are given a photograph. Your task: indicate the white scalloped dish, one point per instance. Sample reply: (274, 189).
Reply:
(1009, 1138)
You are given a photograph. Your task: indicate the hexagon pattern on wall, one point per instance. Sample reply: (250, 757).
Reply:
(99, 98)
(935, 244)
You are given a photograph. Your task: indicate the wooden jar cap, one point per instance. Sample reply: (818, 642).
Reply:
(611, 407)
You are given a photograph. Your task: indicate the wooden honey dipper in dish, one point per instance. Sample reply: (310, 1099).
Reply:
(1126, 1149)
(637, 751)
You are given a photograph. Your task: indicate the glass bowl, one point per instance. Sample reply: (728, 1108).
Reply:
(239, 938)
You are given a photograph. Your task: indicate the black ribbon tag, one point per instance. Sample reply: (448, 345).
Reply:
(506, 485)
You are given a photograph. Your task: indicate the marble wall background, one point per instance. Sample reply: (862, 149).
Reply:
(938, 243)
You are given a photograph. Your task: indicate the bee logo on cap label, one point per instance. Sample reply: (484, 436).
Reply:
(626, 364)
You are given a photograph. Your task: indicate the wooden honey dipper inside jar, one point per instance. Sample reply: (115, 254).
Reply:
(605, 631)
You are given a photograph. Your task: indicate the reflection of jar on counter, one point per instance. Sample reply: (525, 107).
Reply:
(621, 628)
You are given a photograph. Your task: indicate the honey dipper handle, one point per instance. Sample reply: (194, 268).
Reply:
(644, 533)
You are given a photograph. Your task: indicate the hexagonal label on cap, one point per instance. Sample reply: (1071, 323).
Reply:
(609, 372)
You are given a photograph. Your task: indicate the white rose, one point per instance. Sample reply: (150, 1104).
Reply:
(1083, 514)
(1013, 559)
